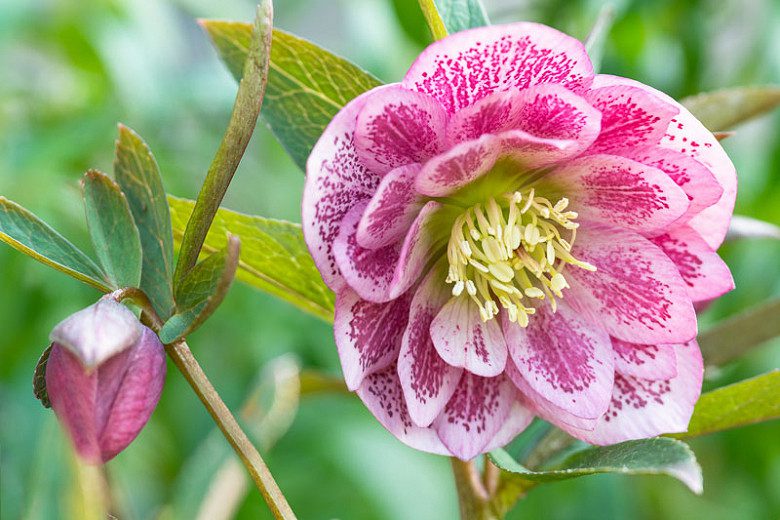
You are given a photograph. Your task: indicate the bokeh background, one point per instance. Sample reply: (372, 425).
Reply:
(71, 69)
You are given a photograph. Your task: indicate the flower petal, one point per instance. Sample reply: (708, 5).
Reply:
(636, 294)
(564, 359)
(427, 380)
(493, 114)
(698, 183)
(517, 420)
(397, 126)
(705, 274)
(630, 117)
(644, 361)
(417, 249)
(469, 65)
(462, 339)
(336, 181)
(133, 402)
(554, 112)
(642, 408)
(615, 190)
(368, 271)
(475, 414)
(391, 210)
(546, 110)
(382, 394)
(98, 332)
(104, 409)
(686, 134)
(368, 335)
(540, 406)
(380, 275)
(457, 167)
(465, 162)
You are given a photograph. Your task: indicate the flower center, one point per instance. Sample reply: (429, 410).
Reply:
(511, 250)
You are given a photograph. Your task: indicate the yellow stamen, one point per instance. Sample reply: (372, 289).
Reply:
(503, 252)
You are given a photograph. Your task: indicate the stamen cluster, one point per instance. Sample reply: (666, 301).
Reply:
(511, 250)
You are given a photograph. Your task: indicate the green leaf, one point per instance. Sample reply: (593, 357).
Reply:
(747, 402)
(243, 120)
(137, 173)
(39, 379)
(407, 14)
(201, 291)
(725, 109)
(732, 337)
(597, 38)
(307, 85)
(459, 15)
(25, 232)
(742, 227)
(659, 456)
(113, 231)
(274, 257)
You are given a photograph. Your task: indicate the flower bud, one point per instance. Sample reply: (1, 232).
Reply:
(104, 378)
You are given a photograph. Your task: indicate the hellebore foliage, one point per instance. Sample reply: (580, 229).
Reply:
(750, 401)
(201, 291)
(658, 456)
(274, 257)
(307, 85)
(724, 109)
(27, 233)
(137, 173)
(113, 231)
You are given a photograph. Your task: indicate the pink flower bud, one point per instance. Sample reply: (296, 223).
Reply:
(104, 378)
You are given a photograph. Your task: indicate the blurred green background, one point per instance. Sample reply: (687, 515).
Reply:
(71, 69)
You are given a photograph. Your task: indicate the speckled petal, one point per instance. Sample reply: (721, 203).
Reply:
(382, 394)
(636, 294)
(698, 183)
(391, 210)
(472, 64)
(475, 414)
(564, 359)
(686, 134)
(427, 380)
(368, 335)
(468, 161)
(396, 127)
(642, 408)
(631, 117)
(617, 191)
(462, 339)
(380, 275)
(705, 274)
(336, 181)
(644, 361)
(518, 419)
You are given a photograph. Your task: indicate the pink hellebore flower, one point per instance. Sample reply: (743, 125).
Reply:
(104, 377)
(510, 235)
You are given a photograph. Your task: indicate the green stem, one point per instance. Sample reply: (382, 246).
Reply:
(473, 498)
(433, 19)
(242, 123)
(553, 443)
(182, 357)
